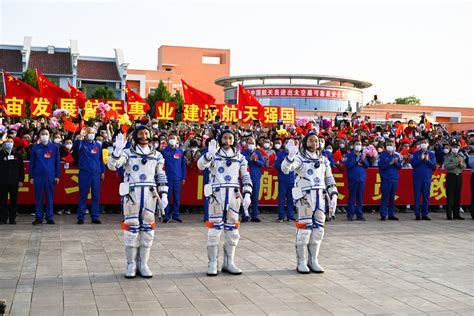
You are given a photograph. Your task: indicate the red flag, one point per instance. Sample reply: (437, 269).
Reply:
(337, 155)
(194, 96)
(341, 133)
(404, 152)
(50, 90)
(70, 126)
(387, 116)
(462, 142)
(17, 88)
(245, 98)
(132, 96)
(399, 129)
(77, 94)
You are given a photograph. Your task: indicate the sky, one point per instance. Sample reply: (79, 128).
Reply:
(421, 48)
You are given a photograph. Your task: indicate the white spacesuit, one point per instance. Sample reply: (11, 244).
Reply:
(144, 182)
(223, 191)
(314, 184)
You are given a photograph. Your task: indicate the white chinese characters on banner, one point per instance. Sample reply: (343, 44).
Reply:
(306, 93)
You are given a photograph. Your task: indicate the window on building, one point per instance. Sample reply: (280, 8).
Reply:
(212, 60)
(151, 90)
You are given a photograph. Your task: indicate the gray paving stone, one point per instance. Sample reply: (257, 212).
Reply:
(372, 268)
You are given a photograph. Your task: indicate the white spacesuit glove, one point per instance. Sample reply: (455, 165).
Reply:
(164, 201)
(120, 144)
(292, 148)
(246, 203)
(332, 206)
(212, 148)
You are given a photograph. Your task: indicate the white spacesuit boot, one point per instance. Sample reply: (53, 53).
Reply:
(213, 238)
(302, 240)
(146, 240)
(313, 249)
(212, 255)
(131, 253)
(230, 244)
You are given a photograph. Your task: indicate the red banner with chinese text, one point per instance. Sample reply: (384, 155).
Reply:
(67, 191)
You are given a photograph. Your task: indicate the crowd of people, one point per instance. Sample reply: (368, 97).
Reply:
(350, 143)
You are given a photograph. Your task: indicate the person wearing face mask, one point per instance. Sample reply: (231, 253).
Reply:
(471, 165)
(57, 139)
(356, 163)
(66, 152)
(192, 155)
(175, 167)
(286, 182)
(454, 165)
(154, 125)
(91, 173)
(44, 173)
(255, 163)
(423, 163)
(389, 163)
(313, 185)
(327, 152)
(268, 153)
(13, 175)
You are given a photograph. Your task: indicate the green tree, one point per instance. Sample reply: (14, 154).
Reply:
(179, 99)
(103, 93)
(161, 93)
(408, 100)
(29, 77)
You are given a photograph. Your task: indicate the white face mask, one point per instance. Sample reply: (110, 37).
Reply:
(90, 136)
(266, 145)
(155, 126)
(57, 140)
(251, 147)
(68, 146)
(385, 135)
(329, 150)
(277, 146)
(172, 142)
(446, 150)
(424, 146)
(44, 138)
(389, 148)
(194, 149)
(357, 147)
(342, 145)
(455, 150)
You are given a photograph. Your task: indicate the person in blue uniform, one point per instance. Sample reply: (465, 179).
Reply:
(44, 174)
(255, 163)
(356, 163)
(175, 168)
(423, 162)
(389, 163)
(286, 182)
(91, 172)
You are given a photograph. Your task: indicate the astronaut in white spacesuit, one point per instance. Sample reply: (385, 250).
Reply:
(314, 184)
(144, 186)
(223, 191)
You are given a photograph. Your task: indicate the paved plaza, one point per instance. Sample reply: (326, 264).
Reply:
(407, 267)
